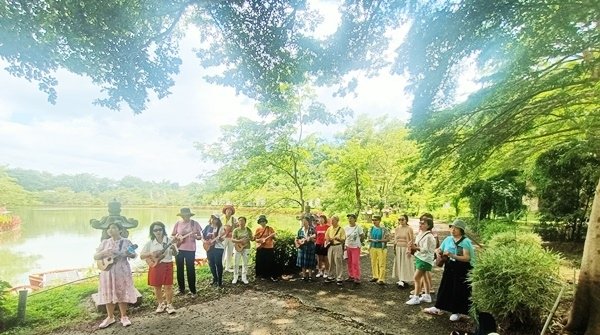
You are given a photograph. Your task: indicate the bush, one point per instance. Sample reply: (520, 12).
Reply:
(492, 227)
(509, 239)
(4, 317)
(515, 283)
(285, 252)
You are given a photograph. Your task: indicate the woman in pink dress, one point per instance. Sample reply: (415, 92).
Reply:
(116, 282)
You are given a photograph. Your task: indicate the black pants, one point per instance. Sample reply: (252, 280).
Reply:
(189, 258)
(215, 262)
(265, 263)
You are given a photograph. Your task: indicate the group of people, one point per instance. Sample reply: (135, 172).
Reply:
(323, 246)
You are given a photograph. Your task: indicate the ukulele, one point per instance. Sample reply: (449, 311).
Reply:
(155, 257)
(105, 263)
(239, 246)
(208, 244)
(299, 243)
(261, 241)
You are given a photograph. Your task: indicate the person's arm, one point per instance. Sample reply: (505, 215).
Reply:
(386, 235)
(342, 236)
(197, 231)
(101, 252)
(145, 253)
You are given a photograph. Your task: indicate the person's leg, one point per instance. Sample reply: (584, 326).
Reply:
(236, 266)
(330, 263)
(158, 294)
(326, 264)
(374, 266)
(259, 263)
(123, 310)
(168, 294)
(190, 267)
(382, 260)
(212, 265)
(339, 261)
(110, 310)
(219, 256)
(354, 263)
(179, 261)
(244, 255)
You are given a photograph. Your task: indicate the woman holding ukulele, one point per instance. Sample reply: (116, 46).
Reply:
(158, 253)
(116, 282)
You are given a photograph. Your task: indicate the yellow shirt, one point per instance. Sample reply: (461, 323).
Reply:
(332, 233)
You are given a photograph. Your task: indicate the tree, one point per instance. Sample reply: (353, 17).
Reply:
(130, 48)
(501, 195)
(12, 193)
(564, 178)
(276, 156)
(540, 89)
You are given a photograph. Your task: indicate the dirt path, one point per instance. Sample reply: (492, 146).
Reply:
(292, 307)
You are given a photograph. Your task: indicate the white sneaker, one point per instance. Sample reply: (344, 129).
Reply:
(234, 281)
(414, 300)
(425, 298)
(161, 308)
(170, 309)
(245, 281)
(319, 274)
(454, 317)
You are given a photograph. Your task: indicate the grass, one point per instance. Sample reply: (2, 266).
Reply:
(55, 308)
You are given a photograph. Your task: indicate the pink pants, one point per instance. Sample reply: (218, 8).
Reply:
(353, 262)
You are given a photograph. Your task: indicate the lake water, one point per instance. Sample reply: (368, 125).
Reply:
(55, 239)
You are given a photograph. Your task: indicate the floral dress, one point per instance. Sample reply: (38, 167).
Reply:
(116, 284)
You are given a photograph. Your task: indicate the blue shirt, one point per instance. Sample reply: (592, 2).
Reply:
(449, 245)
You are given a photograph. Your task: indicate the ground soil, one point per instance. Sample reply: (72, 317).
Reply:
(291, 306)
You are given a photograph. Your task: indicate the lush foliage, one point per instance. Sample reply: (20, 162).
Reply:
(498, 195)
(565, 178)
(12, 192)
(512, 238)
(516, 282)
(285, 252)
(4, 318)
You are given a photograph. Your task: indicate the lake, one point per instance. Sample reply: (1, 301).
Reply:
(62, 238)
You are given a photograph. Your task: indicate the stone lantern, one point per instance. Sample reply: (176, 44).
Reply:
(114, 215)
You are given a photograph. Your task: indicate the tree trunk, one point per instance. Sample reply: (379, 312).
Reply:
(585, 313)
(357, 192)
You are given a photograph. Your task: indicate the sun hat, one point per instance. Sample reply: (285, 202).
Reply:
(351, 215)
(185, 211)
(459, 224)
(228, 206)
(262, 218)
(377, 217)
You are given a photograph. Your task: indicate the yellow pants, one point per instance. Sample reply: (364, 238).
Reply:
(378, 261)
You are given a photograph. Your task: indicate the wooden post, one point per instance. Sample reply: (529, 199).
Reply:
(21, 306)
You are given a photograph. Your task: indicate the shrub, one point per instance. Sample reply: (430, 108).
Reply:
(493, 227)
(516, 284)
(509, 239)
(285, 252)
(4, 317)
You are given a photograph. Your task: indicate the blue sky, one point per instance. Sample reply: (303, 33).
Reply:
(74, 136)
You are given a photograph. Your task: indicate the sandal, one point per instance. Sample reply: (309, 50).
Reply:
(433, 311)
(107, 322)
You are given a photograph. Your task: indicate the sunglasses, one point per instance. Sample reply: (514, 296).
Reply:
(156, 230)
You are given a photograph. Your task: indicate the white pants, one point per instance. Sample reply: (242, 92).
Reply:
(236, 268)
(228, 254)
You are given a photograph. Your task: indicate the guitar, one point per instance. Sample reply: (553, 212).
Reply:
(155, 257)
(105, 263)
(261, 241)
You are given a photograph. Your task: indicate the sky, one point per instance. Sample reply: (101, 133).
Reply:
(74, 136)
